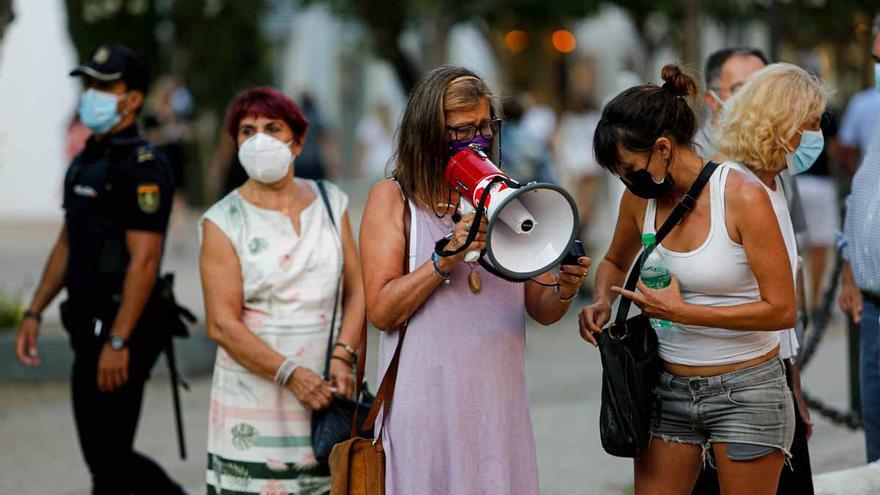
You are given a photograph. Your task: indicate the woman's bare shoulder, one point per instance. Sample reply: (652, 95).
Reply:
(745, 190)
(385, 202)
(387, 192)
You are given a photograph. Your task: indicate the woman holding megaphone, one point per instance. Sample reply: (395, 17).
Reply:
(460, 421)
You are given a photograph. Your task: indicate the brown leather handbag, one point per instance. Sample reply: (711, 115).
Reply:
(357, 466)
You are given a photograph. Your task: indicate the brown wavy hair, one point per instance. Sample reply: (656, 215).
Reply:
(422, 142)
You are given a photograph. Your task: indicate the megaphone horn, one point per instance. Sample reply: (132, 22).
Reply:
(538, 222)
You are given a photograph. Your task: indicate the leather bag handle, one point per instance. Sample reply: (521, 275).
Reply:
(385, 393)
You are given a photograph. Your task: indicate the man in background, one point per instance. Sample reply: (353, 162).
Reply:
(860, 280)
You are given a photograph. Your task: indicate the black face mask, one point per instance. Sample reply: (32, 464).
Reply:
(642, 184)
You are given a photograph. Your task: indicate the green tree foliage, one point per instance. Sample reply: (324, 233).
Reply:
(215, 46)
(93, 22)
(387, 20)
(6, 16)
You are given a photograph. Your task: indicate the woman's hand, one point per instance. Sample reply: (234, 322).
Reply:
(310, 390)
(342, 378)
(592, 318)
(571, 277)
(447, 263)
(664, 304)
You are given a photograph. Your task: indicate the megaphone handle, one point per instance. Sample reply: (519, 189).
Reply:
(475, 226)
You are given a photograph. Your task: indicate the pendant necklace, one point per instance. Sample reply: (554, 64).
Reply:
(474, 279)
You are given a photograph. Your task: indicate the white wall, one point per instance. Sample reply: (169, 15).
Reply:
(37, 99)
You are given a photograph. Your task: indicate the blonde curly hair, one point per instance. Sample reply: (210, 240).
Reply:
(761, 118)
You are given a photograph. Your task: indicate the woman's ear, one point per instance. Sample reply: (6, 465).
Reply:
(794, 142)
(297, 144)
(663, 147)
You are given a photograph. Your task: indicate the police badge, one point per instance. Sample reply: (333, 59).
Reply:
(148, 197)
(101, 55)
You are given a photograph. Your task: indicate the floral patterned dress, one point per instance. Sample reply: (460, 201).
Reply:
(258, 437)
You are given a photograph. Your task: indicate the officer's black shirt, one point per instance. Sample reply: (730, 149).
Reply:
(116, 184)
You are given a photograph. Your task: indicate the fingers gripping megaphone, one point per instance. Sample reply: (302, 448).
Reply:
(530, 227)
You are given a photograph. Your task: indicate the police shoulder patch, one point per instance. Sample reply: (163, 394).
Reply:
(149, 198)
(145, 154)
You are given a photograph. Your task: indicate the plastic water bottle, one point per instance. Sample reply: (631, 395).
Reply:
(655, 274)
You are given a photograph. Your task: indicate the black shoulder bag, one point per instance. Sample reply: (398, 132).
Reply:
(630, 363)
(334, 423)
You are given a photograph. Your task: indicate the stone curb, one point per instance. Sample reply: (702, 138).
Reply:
(195, 357)
(863, 480)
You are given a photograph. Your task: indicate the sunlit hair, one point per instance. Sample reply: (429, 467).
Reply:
(762, 117)
(422, 142)
(265, 101)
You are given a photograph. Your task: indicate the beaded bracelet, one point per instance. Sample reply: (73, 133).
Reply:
(444, 276)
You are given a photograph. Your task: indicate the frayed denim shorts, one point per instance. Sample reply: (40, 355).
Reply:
(751, 410)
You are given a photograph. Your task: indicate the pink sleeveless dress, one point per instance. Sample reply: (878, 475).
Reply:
(460, 420)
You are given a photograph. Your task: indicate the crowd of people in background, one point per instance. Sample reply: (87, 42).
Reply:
(286, 298)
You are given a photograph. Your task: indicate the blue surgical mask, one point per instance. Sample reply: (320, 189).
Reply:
(877, 76)
(97, 110)
(801, 159)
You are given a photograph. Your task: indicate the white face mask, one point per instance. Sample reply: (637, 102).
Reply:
(265, 159)
(724, 103)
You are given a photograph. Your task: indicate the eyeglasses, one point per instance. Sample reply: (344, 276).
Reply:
(488, 129)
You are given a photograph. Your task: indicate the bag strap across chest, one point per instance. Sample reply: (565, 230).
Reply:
(322, 188)
(687, 203)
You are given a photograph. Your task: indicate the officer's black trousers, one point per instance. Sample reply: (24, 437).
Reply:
(106, 424)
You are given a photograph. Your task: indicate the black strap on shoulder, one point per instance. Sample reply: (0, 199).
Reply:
(322, 188)
(478, 218)
(687, 203)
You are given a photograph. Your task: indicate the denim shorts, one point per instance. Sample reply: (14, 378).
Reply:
(751, 410)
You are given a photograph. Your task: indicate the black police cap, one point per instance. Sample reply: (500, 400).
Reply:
(110, 63)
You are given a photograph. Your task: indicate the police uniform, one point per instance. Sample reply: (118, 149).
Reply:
(116, 184)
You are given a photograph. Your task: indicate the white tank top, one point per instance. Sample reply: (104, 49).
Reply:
(715, 274)
(788, 342)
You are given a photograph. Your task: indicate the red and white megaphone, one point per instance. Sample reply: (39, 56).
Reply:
(530, 227)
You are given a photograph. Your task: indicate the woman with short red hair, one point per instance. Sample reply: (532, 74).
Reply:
(275, 254)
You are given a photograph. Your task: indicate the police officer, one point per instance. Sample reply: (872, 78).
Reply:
(117, 199)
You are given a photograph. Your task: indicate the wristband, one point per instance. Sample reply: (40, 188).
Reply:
(346, 361)
(285, 371)
(435, 262)
(29, 313)
(349, 349)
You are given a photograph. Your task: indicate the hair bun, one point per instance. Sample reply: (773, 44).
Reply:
(677, 82)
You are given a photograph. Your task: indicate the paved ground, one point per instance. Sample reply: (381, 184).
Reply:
(39, 451)
(36, 429)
